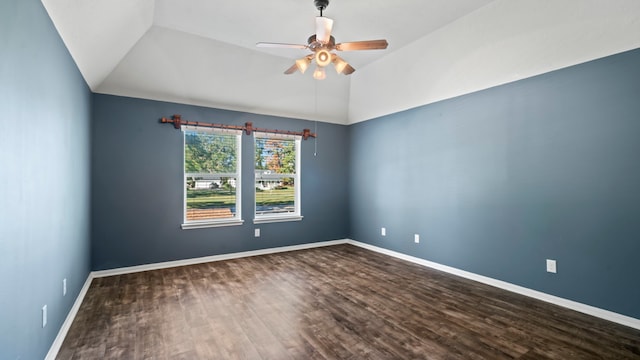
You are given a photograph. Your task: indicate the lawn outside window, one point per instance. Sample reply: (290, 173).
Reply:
(212, 180)
(277, 177)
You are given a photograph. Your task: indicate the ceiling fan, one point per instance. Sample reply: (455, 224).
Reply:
(322, 45)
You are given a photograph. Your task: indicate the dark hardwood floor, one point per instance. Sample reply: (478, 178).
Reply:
(338, 302)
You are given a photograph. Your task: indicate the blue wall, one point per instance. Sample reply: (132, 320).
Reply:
(44, 179)
(137, 193)
(497, 181)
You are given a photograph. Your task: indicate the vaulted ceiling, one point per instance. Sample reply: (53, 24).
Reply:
(203, 52)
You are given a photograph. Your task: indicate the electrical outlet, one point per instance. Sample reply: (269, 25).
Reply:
(64, 287)
(416, 238)
(383, 232)
(552, 266)
(257, 232)
(44, 316)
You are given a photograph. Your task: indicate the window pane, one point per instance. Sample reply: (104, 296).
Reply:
(211, 198)
(275, 176)
(209, 153)
(276, 155)
(210, 166)
(275, 195)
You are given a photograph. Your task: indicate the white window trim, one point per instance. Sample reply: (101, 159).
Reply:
(202, 224)
(297, 215)
(210, 223)
(265, 219)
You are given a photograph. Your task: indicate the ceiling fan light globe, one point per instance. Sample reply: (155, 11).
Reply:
(323, 58)
(340, 65)
(319, 74)
(303, 64)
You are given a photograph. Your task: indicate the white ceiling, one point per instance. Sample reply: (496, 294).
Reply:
(203, 52)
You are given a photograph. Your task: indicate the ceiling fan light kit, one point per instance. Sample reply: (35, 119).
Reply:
(322, 44)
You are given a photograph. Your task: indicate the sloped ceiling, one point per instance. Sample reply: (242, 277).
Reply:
(203, 52)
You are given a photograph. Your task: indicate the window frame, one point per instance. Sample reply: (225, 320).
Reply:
(282, 217)
(208, 223)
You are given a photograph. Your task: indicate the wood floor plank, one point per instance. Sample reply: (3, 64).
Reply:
(338, 302)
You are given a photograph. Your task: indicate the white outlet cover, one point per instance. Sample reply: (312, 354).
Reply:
(416, 238)
(64, 287)
(257, 232)
(383, 232)
(551, 266)
(44, 316)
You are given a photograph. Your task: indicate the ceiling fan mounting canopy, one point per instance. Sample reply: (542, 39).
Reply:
(321, 4)
(322, 43)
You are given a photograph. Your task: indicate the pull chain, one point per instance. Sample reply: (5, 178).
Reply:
(315, 130)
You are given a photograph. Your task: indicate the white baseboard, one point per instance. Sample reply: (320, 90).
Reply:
(570, 304)
(206, 259)
(62, 333)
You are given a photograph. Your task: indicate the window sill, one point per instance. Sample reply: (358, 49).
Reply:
(210, 224)
(274, 219)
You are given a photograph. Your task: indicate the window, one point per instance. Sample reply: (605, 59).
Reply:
(277, 178)
(211, 178)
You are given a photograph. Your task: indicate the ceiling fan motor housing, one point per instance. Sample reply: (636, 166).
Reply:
(315, 45)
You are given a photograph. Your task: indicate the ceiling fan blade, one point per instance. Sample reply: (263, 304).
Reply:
(323, 29)
(291, 70)
(348, 70)
(280, 45)
(363, 45)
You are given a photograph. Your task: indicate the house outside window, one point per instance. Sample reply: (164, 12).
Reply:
(212, 159)
(277, 178)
